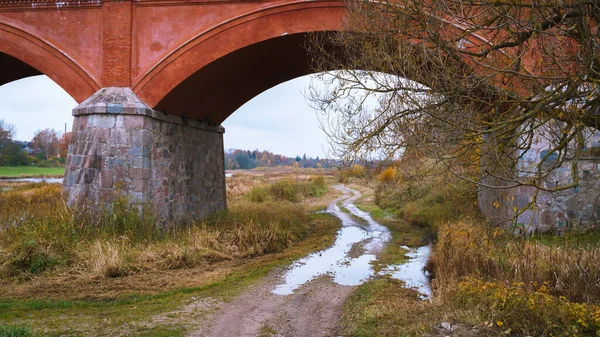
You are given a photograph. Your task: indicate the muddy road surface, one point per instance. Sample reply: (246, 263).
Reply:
(306, 299)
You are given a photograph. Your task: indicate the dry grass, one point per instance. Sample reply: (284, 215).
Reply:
(531, 286)
(486, 282)
(40, 233)
(288, 190)
(567, 267)
(103, 258)
(243, 181)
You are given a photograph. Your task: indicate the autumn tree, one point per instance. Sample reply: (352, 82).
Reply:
(462, 80)
(63, 144)
(46, 143)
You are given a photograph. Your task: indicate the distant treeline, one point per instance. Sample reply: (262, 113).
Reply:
(245, 159)
(46, 148)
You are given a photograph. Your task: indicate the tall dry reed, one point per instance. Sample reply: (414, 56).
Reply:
(39, 232)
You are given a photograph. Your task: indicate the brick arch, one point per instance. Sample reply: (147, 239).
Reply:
(27, 55)
(231, 50)
(217, 71)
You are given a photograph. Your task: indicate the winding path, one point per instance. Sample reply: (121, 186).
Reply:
(306, 300)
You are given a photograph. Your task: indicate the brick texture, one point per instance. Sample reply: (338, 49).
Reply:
(116, 43)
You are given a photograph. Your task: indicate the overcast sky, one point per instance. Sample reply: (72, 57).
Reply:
(278, 120)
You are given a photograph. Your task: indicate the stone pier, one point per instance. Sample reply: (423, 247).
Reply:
(120, 146)
(531, 209)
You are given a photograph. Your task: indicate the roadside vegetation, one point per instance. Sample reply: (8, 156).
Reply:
(288, 190)
(56, 261)
(485, 280)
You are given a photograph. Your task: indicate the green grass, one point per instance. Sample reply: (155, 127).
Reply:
(30, 171)
(575, 239)
(12, 330)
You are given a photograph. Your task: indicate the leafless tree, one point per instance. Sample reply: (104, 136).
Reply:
(7, 132)
(462, 80)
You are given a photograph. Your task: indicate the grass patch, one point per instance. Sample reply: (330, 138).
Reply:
(469, 249)
(429, 202)
(288, 190)
(383, 307)
(486, 282)
(11, 330)
(72, 272)
(518, 309)
(30, 171)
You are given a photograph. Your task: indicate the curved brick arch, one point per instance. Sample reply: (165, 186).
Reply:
(217, 71)
(275, 28)
(36, 56)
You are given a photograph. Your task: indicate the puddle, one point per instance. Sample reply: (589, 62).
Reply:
(228, 175)
(34, 180)
(412, 272)
(339, 261)
(336, 261)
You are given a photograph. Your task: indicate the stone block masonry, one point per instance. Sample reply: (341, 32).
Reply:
(120, 146)
(538, 210)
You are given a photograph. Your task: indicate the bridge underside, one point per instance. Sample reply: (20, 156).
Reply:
(214, 92)
(12, 69)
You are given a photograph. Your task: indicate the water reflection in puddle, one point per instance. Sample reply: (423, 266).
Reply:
(338, 262)
(334, 262)
(412, 272)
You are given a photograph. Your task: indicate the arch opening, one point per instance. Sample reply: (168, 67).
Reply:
(217, 90)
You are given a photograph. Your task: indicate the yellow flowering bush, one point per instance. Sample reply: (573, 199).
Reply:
(387, 176)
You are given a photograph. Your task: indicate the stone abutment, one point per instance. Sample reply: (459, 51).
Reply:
(551, 208)
(122, 147)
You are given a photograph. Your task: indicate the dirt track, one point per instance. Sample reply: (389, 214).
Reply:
(312, 310)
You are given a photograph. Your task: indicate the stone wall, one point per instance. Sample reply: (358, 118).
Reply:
(122, 147)
(533, 209)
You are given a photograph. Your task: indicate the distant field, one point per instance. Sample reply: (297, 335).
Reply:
(30, 171)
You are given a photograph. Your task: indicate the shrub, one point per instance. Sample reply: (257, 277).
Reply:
(342, 176)
(518, 309)
(284, 189)
(258, 194)
(358, 171)
(388, 176)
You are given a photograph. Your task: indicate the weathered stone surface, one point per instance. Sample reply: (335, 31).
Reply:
(121, 146)
(552, 211)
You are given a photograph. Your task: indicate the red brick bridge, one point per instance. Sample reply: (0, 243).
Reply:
(155, 79)
(173, 54)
